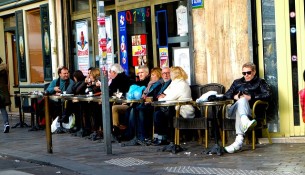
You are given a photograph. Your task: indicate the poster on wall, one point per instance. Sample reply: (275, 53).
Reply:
(109, 33)
(139, 53)
(82, 46)
(163, 53)
(182, 24)
(123, 41)
(182, 58)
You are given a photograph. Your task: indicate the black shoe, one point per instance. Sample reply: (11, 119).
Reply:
(132, 142)
(114, 139)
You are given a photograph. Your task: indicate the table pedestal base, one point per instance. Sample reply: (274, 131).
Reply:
(172, 148)
(35, 128)
(21, 124)
(216, 149)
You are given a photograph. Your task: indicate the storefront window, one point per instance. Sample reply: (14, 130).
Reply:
(135, 39)
(270, 60)
(80, 5)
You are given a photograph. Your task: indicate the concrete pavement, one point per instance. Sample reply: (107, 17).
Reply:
(84, 156)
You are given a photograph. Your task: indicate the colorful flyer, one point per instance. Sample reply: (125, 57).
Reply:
(123, 41)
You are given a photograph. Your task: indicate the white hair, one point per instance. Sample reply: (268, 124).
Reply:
(116, 68)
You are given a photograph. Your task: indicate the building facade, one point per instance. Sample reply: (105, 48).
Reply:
(210, 39)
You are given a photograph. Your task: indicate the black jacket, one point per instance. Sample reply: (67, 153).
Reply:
(257, 88)
(121, 82)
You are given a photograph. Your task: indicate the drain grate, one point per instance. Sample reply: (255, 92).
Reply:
(221, 171)
(126, 162)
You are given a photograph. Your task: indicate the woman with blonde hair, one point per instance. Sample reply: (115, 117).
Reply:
(179, 89)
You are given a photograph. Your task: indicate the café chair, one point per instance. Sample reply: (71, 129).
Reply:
(259, 113)
(200, 121)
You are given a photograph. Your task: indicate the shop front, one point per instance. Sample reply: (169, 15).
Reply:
(25, 34)
(139, 33)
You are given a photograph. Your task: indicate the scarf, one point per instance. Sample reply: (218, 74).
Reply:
(151, 82)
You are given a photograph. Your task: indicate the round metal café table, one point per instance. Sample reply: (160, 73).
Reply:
(175, 146)
(216, 107)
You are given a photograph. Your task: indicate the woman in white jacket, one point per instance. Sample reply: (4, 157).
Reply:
(179, 89)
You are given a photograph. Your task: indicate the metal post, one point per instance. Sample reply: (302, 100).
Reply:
(48, 124)
(102, 43)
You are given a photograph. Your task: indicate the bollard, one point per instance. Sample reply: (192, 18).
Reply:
(48, 125)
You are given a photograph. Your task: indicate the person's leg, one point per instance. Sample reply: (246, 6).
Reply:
(160, 126)
(5, 120)
(242, 111)
(118, 110)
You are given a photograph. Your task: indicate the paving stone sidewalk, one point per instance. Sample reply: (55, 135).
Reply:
(89, 157)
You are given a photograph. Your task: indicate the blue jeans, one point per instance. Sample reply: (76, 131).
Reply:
(4, 115)
(140, 121)
(239, 108)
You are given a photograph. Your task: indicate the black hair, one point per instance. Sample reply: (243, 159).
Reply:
(79, 75)
(1, 60)
(304, 75)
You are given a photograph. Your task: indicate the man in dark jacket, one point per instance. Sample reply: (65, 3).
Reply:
(119, 81)
(245, 91)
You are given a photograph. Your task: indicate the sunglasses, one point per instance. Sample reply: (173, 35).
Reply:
(248, 72)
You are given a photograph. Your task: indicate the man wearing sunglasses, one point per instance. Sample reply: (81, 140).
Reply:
(245, 91)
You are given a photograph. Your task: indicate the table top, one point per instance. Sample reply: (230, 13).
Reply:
(88, 98)
(28, 95)
(215, 103)
(171, 103)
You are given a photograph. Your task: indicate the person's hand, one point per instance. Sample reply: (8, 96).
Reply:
(161, 96)
(98, 83)
(236, 97)
(57, 89)
(248, 97)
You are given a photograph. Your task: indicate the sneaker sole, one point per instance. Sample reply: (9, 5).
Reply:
(235, 150)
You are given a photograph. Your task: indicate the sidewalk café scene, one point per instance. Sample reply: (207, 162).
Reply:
(225, 76)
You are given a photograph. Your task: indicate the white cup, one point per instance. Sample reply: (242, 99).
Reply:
(90, 93)
(64, 92)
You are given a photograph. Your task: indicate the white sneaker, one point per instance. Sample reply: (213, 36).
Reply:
(6, 128)
(235, 146)
(249, 125)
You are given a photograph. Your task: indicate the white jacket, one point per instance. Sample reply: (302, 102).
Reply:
(180, 90)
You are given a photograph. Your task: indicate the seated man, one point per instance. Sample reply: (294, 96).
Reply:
(140, 119)
(60, 84)
(119, 81)
(245, 91)
(118, 110)
(57, 86)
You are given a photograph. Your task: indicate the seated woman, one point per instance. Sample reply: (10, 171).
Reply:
(93, 110)
(179, 89)
(140, 119)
